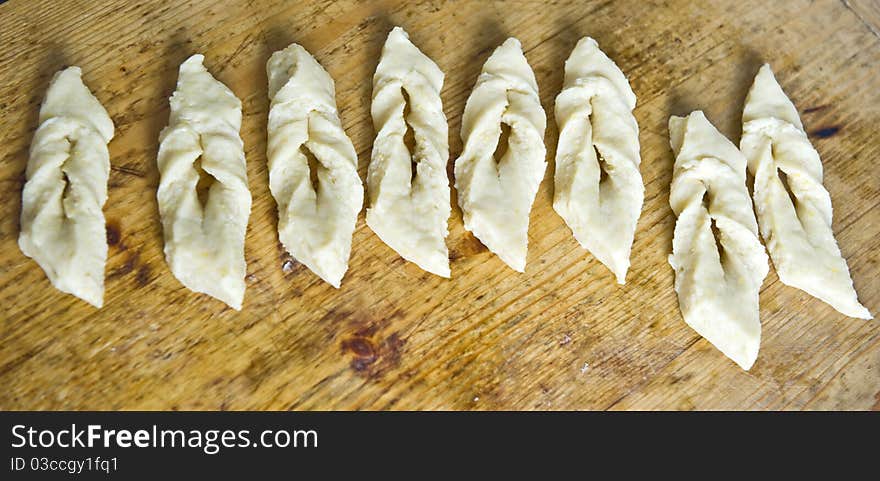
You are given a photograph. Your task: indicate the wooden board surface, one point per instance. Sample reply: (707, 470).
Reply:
(563, 335)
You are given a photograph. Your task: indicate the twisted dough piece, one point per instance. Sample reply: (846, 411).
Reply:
(796, 227)
(717, 279)
(315, 224)
(409, 211)
(598, 134)
(496, 195)
(204, 245)
(62, 224)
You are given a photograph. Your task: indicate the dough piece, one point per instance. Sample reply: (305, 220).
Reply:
(496, 195)
(795, 226)
(409, 211)
(717, 278)
(204, 244)
(315, 223)
(62, 224)
(598, 187)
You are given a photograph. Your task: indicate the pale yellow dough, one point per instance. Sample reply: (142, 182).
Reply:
(409, 212)
(496, 195)
(597, 126)
(796, 227)
(62, 222)
(717, 287)
(204, 244)
(314, 224)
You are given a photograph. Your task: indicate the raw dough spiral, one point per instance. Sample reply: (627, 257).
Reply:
(796, 226)
(409, 211)
(314, 224)
(598, 134)
(496, 195)
(204, 245)
(717, 278)
(62, 222)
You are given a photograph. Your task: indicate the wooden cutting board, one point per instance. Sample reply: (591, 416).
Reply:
(563, 335)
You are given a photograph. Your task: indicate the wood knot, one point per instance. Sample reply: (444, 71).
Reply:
(373, 358)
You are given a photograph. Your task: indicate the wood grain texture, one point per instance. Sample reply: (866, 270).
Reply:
(561, 336)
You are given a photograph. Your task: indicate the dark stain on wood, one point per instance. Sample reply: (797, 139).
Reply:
(368, 330)
(126, 268)
(825, 132)
(143, 275)
(131, 263)
(392, 349)
(114, 235)
(360, 346)
(373, 358)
